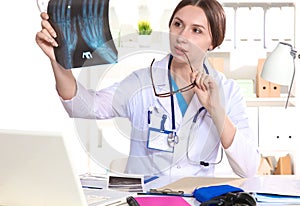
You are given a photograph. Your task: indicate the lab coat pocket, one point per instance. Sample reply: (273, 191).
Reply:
(158, 118)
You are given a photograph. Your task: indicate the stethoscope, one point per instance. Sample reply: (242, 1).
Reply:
(201, 162)
(172, 137)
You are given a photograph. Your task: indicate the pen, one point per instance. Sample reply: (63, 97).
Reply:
(131, 201)
(149, 118)
(150, 179)
(91, 187)
(165, 193)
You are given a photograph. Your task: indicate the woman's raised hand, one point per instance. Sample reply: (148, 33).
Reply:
(46, 37)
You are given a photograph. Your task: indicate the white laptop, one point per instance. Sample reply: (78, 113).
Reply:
(35, 170)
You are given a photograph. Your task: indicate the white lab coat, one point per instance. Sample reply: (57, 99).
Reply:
(132, 98)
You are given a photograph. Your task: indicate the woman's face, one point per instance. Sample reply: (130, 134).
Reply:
(190, 34)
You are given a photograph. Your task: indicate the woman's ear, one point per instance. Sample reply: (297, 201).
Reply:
(210, 48)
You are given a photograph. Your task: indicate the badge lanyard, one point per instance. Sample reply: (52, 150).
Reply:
(155, 140)
(173, 138)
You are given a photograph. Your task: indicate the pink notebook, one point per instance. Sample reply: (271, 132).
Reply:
(161, 201)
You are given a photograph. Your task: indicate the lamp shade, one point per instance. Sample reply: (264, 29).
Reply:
(279, 66)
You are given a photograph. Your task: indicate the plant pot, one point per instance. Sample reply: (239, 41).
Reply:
(144, 40)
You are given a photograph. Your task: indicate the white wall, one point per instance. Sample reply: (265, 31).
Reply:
(240, 62)
(28, 97)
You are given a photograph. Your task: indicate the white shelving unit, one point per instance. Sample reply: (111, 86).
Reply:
(276, 127)
(278, 133)
(270, 102)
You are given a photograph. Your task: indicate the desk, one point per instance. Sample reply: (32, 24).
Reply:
(275, 184)
(166, 180)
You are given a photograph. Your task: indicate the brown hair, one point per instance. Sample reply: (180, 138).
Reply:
(215, 16)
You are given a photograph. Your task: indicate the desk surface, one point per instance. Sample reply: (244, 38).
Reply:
(274, 184)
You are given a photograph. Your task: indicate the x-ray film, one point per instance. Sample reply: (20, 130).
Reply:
(83, 32)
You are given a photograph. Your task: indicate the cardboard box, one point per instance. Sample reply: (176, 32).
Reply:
(284, 166)
(217, 63)
(265, 88)
(264, 167)
(274, 90)
(269, 166)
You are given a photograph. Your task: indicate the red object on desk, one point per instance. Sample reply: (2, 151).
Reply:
(161, 201)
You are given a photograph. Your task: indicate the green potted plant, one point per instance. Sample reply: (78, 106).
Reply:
(144, 27)
(144, 30)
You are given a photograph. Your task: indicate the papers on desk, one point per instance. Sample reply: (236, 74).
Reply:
(275, 189)
(97, 193)
(189, 184)
(287, 185)
(278, 199)
(93, 181)
(126, 183)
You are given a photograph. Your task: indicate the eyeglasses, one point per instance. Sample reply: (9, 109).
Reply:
(168, 94)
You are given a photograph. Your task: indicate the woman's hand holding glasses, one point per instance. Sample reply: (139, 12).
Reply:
(206, 90)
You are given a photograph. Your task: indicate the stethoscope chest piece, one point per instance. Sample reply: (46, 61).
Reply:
(172, 139)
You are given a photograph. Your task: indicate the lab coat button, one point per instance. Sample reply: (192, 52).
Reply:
(178, 167)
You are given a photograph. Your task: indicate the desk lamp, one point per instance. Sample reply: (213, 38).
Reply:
(279, 67)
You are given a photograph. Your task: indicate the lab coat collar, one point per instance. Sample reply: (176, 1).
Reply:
(161, 81)
(160, 76)
(192, 109)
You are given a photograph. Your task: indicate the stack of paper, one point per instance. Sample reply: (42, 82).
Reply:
(278, 199)
(275, 189)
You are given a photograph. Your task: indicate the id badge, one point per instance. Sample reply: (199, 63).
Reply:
(158, 140)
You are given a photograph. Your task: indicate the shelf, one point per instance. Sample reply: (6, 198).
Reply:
(270, 101)
(258, 4)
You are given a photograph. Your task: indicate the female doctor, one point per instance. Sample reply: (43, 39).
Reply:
(182, 111)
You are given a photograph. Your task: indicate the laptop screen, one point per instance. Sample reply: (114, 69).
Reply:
(36, 170)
